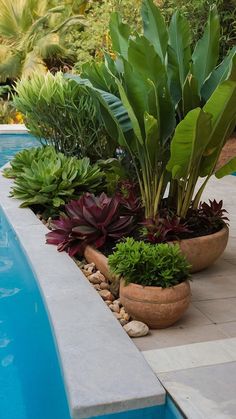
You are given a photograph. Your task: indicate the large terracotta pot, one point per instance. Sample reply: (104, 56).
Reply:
(201, 252)
(157, 307)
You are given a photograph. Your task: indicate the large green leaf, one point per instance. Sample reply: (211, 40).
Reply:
(222, 107)
(227, 169)
(152, 141)
(190, 97)
(219, 74)
(180, 41)
(206, 53)
(189, 143)
(120, 33)
(114, 114)
(154, 27)
(147, 65)
(100, 76)
(143, 58)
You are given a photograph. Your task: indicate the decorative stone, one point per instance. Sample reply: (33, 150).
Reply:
(97, 287)
(117, 315)
(104, 286)
(126, 317)
(136, 329)
(106, 295)
(96, 278)
(122, 311)
(114, 307)
(123, 322)
(108, 302)
(89, 268)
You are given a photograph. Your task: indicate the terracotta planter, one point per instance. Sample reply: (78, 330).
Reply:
(155, 306)
(202, 252)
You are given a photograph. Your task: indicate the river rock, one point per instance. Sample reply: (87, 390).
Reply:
(104, 286)
(136, 329)
(96, 278)
(106, 295)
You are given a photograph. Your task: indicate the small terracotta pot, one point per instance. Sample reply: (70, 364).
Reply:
(202, 252)
(157, 307)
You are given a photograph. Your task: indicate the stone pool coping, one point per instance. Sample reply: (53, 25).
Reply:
(13, 129)
(103, 370)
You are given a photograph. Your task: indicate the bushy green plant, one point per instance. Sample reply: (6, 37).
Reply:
(159, 265)
(93, 40)
(50, 179)
(61, 113)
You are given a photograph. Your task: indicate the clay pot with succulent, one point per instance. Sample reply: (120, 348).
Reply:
(154, 287)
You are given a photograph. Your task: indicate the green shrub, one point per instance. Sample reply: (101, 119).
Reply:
(50, 179)
(62, 114)
(159, 265)
(93, 40)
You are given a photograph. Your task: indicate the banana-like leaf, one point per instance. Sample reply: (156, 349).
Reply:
(190, 97)
(147, 66)
(109, 100)
(222, 107)
(155, 28)
(152, 140)
(120, 33)
(206, 53)
(226, 70)
(227, 169)
(180, 51)
(189, 143)
(128, 101)
(100, 76)
(144, 58)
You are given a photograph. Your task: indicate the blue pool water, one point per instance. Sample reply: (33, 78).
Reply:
(11, 144)
(31, 382)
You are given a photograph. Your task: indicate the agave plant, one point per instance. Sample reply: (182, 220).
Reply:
(151, 85)
(89, 220)
(32, 36)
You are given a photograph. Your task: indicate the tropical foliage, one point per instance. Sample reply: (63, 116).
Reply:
(32, 36)
(157, 81)
(146, 264)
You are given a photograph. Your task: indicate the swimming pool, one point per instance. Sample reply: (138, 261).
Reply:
(31, 384)
(10, 144)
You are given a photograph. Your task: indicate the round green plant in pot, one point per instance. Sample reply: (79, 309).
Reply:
(154, 286)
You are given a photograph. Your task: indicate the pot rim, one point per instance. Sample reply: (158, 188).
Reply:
(224, 229)
(161, 289)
